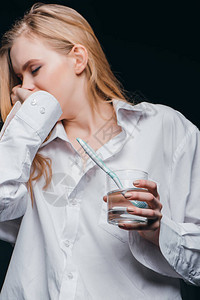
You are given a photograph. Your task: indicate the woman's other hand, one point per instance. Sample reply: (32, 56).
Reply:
(20, 94)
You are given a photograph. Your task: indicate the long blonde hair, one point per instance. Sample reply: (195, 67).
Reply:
(61, 27)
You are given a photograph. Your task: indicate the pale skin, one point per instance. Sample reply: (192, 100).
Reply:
(40, 67)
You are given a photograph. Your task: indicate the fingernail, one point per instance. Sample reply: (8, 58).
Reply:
(130, 209)
(127, 195)
(121, 226)
(136, 182)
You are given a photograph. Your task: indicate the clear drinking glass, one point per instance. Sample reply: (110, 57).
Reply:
(117, 203)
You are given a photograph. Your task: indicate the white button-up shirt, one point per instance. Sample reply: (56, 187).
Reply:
(64, 247)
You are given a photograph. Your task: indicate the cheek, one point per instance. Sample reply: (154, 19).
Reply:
(61, 85)
(58, 79)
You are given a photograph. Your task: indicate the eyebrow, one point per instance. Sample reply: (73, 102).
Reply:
(25, 66)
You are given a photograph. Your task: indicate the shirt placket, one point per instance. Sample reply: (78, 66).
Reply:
(69, 233)
(70, 276)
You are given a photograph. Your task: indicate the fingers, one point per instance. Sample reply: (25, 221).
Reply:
(148, 197)
(153, 215)
(133, 226)
(14, 97)
(151, 225)
(19, 94)
(150, 185)
(145, 212)
(140, 227)
(23, 94)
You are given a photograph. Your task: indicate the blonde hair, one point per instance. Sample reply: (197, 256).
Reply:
(61, 27)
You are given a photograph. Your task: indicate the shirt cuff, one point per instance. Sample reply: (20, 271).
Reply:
(169, 240)
(182, 255)
(45, 109)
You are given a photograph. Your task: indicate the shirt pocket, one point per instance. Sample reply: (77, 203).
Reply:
(113, 230)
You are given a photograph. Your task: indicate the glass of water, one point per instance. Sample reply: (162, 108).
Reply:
(116, 201)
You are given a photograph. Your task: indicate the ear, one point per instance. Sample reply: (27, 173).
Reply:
(80, 55)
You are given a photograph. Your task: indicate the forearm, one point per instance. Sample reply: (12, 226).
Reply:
(18, 146)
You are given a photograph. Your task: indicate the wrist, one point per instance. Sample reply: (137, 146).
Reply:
(151, 236)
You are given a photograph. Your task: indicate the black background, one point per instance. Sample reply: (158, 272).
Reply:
(153, 49)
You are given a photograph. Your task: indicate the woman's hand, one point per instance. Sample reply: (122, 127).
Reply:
(149, 231)
(20, 94)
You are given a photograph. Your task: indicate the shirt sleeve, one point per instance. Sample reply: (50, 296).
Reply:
(179, 240)
(180, 235)
(21, 137)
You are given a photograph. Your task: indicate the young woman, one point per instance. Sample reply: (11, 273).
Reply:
(56, 85)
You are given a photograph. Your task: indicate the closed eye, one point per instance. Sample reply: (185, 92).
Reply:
(35, 70)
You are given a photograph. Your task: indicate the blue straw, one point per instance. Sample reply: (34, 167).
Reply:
(92, 154)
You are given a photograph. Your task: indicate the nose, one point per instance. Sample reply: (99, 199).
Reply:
(27, 83)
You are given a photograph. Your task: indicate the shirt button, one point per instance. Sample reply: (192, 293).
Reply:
(33, 102)
(70, 276)
(67, 243)
(42, 110)
(74, 202)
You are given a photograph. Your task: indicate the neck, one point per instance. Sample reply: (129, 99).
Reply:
(96, 127)
(87, 120)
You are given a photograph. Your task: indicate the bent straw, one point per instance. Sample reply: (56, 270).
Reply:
(92, 154)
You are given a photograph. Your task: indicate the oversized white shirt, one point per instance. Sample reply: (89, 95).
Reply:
(64, 247)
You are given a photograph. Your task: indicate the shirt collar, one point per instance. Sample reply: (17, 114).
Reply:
(57, 132)
(127, 115)
(124, 112)
(120, 105)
